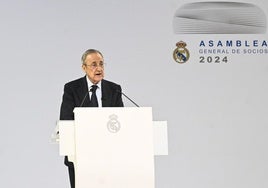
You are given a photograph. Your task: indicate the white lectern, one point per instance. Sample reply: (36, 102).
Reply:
(110, 147)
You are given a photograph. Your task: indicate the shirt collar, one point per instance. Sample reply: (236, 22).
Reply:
(89, 84)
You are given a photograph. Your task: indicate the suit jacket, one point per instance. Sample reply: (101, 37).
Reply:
(75, 91)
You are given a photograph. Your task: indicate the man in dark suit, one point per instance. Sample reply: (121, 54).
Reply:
(89, 91)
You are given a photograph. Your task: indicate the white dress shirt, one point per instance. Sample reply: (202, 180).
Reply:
(98, 91)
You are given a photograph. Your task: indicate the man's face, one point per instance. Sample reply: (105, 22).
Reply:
(94, 67)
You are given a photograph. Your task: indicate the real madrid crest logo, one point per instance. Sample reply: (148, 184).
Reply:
(181, 54)
(113, 124)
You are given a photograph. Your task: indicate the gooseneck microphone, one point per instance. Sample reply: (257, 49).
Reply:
(87, 93)
(127, 98)
(84, 99)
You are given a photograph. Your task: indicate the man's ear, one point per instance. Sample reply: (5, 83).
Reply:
(84, 67)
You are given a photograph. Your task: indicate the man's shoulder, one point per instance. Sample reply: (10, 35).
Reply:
(107, 82)
(76, 82)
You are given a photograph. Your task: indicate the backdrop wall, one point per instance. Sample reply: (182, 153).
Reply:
(216, 111)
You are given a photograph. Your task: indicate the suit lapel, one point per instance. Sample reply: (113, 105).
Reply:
(84, 92)
(106, 94)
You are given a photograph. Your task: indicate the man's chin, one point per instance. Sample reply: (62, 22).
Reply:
(97, 80)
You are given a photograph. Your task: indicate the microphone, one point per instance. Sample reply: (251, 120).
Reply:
(127, 97)
(84, 99)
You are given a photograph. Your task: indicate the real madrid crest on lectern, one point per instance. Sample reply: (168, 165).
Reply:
(113, 124)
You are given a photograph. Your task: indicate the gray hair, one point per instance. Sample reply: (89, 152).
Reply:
(89, 51)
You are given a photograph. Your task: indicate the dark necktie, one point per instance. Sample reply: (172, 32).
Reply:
(93, 100)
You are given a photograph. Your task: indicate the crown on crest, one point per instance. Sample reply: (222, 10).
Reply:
(180, 44)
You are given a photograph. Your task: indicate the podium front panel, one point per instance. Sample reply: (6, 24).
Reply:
(114, 147)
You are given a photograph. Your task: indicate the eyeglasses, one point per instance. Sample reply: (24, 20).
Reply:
(95, 65)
